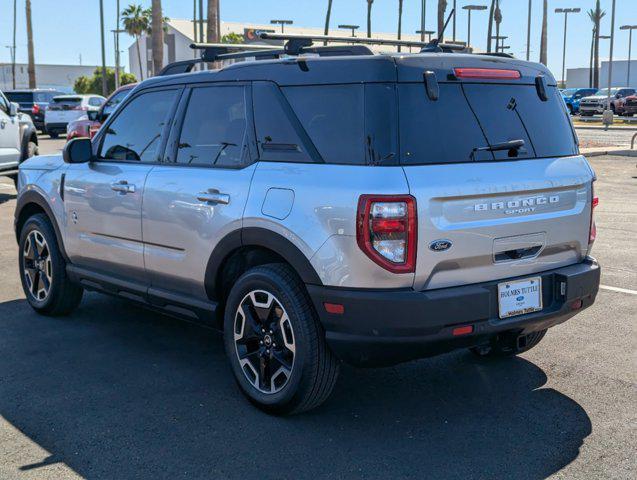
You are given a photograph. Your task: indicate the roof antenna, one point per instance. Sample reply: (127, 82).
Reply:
(432, 46)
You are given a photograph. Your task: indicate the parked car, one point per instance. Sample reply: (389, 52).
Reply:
(597, 103)
(18, 138)
(33, 102)
(87, 125)
(66, 108)
(630, 105)
(572, 97)
(325, 209)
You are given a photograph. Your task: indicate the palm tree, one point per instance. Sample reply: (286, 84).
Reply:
(490, 27)
(400, 20)
(136, 23)
(590, 61)
(596, 17)
(442, 7)
(213, 29)
(544, 38)
(31, 67)
(497, 16)
(369, 18)
(157, 36)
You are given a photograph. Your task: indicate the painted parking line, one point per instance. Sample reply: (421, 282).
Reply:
(617, 289)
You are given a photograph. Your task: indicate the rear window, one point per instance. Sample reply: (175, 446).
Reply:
(20, 97)
(468, 118)
(68, 100)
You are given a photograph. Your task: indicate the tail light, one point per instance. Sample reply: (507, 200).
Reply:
(386, 231)
(35, 109)
(592, 228)
(496, 73)
(79, 107)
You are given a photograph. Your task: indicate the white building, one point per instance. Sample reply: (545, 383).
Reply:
(578, 77)
(180, 34)
(59, 77)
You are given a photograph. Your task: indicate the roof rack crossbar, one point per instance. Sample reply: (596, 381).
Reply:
(309, 39)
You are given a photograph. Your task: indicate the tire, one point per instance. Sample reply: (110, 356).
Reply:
(15, 181)
(272, 300)
(54, 135)
(509, 345)
(41, 263)
(570, 109)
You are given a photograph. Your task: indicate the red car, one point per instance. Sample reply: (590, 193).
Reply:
(630, 105)
(85, 127)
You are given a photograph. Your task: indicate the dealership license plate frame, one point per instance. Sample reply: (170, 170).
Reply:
(509, 305)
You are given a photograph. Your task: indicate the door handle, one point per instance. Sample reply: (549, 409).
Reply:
(123, 187)
(213, 196)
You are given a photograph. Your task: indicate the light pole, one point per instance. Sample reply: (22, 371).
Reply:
(13, 45)
(607, 118)
(455, 11)
(469, 8)
(423, 15)
(104, 86)
(425, 32)
(116, 33)
(528, 32)
(565, 11)
(353, 28)
(283, 23)
(630, 29)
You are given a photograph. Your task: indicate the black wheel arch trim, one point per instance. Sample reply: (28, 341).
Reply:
(259, 237)
(28, 132)
(35, 197)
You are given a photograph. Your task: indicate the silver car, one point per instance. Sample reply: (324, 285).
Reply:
(370, 209)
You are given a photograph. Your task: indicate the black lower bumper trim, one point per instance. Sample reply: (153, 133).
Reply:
(385, 327)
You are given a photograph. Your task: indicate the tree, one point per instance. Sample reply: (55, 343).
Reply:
(400, 20)
(544, 38)
(490, 27)
(213, 28)
(369, 18)
(31, 67)
(497, 17)
(596, 17)
(232, 38)
(442, 7)
(157, 36)
(136, 22)
(328, 14)
(93, 84)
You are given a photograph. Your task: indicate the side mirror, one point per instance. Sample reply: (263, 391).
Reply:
(619, 95)
(13, 109)
(78, 150)
(92, 115)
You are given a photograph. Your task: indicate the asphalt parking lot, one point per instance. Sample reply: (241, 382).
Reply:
(115, 391)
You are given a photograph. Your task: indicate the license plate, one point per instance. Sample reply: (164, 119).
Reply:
(520, 297)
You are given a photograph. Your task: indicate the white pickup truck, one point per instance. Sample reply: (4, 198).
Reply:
(18, 138)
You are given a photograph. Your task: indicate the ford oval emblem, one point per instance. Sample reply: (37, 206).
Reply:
(440, 245)
(520, 298)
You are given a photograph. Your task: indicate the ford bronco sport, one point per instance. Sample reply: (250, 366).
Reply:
(338, 206)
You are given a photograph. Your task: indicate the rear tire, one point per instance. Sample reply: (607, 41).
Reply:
(53, 135)
(509, 345)
(275, 343)
(43, 270)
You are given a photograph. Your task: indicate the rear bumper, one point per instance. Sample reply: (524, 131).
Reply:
(56, 127)
(385, 327)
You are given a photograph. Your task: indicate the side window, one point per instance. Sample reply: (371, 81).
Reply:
(214, 131)
(280, 138)
(135, 134)
(4, 105)
(333, 116)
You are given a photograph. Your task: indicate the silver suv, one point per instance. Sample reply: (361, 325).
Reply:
(363, 208)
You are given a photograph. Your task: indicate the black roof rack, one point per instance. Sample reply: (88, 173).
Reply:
(307, 40)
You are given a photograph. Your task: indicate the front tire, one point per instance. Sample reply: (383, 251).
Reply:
(43, 270)
(275, 343)
(53, 135)
(509, 345)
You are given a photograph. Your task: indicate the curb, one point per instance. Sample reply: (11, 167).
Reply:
(620, 152)
(602, 127)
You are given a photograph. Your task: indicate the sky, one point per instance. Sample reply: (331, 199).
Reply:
(64, 30)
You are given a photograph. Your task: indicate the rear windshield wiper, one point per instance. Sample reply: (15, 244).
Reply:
(512, 146)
